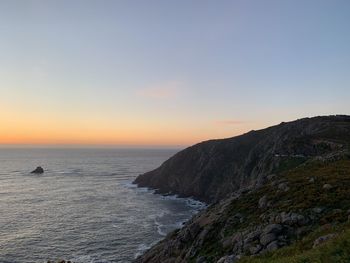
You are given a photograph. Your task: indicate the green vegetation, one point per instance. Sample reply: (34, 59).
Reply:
(306, 191)
(335, 250)
(306, 187)
(288, 163)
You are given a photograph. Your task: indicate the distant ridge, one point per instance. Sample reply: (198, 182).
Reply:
(286, 186)
(214, 169)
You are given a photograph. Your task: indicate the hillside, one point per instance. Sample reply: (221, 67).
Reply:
(280, 194)
(212, 170)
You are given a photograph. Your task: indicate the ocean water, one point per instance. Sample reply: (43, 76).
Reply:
(84, 207)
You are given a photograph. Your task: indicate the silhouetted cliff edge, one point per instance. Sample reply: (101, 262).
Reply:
(213, 170)
(278, 195)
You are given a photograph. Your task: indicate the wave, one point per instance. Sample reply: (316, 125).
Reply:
(189, 201)
(143, 247)
(165, 221)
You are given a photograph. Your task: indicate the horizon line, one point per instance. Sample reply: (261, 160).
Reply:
(89, 146)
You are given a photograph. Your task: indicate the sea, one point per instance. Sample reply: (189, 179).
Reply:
(84, 207)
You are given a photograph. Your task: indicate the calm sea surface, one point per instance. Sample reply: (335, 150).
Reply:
(84, 207)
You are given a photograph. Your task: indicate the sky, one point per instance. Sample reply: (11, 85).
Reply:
(167, 73)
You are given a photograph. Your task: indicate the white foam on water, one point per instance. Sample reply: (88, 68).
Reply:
(162, 225)
(189, 201)
(129, 184)
(143, 247)
(159, 228)
(195, 203)
(170, 197)
(179, 224)
(145, 190)
(158, 224)
(159, 215)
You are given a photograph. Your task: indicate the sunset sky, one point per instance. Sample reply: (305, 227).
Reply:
(167, 73)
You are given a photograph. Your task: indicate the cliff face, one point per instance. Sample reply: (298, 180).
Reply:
(284, 186)
(297, 210)
(213, 170)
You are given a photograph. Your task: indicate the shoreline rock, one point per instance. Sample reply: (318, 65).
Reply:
(38, 170)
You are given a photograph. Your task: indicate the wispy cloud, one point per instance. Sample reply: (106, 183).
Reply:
(229, 122)
(164, 90)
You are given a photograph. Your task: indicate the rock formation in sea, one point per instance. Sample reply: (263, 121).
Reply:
(38, 170)
(283, 186)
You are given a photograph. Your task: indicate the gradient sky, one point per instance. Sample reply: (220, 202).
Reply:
(167, 72)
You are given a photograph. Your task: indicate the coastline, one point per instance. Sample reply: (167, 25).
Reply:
(195, 205)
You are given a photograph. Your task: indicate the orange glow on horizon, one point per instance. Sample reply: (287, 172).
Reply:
(51, 132)
(45, 128)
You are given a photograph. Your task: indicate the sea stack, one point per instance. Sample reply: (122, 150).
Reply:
(38, 170)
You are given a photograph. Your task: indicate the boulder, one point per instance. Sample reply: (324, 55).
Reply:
(255, 249)
(327, 186)
(201, 260)
(221, 260)
(226, 243)
(263, 202)
(38, 170)
(273, 228)
(311, 180)
(251, 237)
(283, 187)
(318, 210)
(267, 238)
(323, 239)
(227, 259)
(293, 219)
(272, 246)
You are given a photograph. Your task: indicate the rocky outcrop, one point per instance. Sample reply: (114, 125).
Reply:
(212, 170)
(38, 170)
(262, 220)
(266, 190)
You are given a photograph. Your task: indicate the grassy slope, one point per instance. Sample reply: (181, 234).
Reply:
(302, 196)
(335, 250)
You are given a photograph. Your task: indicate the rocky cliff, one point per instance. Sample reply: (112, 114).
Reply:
(213, 170)
(284, 188)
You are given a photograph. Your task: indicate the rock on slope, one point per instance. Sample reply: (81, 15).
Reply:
(268, 189)
(212, 170)
(238, 227)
